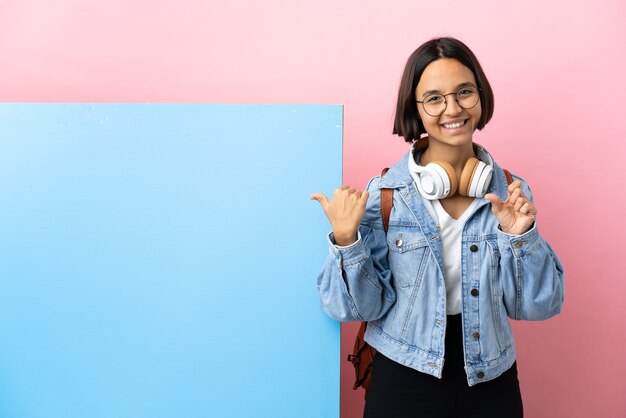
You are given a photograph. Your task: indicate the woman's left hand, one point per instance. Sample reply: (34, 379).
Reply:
(517, 213)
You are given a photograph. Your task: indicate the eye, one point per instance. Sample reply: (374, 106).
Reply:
(465, 92)
(434, 99)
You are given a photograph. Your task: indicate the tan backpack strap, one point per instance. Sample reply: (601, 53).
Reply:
(509, 177)
(386, 203)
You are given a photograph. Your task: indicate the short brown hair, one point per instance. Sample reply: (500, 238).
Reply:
(407, 123)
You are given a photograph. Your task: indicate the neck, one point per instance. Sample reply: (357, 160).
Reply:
(456, 155)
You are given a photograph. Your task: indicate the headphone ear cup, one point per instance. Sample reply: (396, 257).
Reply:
(449, 170)
(480, 180)
(475, 178)
(466, 176)
(433, 181)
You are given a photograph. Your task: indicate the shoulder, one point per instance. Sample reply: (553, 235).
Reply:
(500, 177)
(373, 209)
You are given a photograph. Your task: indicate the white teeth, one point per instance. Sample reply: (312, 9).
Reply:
(453, 125)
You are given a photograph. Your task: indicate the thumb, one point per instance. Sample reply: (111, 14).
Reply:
(321, 198)
(496, 203)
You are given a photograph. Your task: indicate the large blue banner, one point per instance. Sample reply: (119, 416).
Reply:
(160, 260)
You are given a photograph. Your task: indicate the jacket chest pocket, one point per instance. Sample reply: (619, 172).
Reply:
(408, 252)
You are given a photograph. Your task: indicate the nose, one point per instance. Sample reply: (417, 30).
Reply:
(452, 106)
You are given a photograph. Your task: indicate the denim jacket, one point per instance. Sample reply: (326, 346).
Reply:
(395, 281)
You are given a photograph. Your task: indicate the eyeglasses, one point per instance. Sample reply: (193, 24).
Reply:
(435, 104)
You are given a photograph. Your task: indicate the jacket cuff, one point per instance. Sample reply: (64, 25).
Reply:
(348, 255)
(518, 244)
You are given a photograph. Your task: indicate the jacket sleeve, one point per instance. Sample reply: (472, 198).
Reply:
(355, 282)
(531, 274)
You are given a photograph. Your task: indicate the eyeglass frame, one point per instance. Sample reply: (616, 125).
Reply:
(445, 99)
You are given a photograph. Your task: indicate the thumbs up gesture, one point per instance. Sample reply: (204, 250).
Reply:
(517, 213)
(344, 211)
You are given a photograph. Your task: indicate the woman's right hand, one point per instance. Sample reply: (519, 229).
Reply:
(344, 211)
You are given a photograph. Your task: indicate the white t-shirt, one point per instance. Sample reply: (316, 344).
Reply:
(450, 231)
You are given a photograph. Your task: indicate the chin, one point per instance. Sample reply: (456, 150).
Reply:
(456, 140)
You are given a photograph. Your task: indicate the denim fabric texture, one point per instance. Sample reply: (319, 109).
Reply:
(395, 281)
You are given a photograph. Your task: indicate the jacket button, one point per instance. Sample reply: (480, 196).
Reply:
(399, 241)
(476, 335)
(480, 375)
(474, 248)
(474, 292)
(519, 244)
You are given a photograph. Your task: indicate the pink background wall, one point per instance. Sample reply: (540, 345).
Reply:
(557, 69)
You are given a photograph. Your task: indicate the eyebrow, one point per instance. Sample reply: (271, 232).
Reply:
(467, 83)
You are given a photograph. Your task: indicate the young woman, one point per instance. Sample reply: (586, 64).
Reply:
(462, 254)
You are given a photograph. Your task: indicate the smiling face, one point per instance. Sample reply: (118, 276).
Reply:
(455, 126)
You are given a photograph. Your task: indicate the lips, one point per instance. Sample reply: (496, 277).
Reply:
(454, 125)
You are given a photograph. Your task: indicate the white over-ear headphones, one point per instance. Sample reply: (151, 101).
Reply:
(438, 180)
